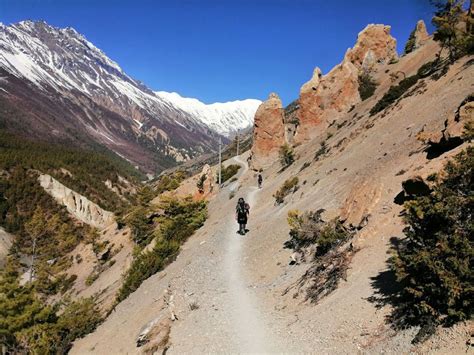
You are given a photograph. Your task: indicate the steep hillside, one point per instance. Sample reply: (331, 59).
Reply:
(56, 85)
(353, 156)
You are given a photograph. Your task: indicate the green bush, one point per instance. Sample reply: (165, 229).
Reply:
(410, 45)
(179, 220)
(434, 264)
(287, 156)
(309, 228)
(394, 93)
(78, 319)
(454, 30)
(367, 86)
(228, 172)
(289, 186)
(330, 260)
(200, 183)
(140, 224)
(323, 149)
(169, 182)
(28, 325)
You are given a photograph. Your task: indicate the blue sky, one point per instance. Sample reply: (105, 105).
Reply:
(221, 50)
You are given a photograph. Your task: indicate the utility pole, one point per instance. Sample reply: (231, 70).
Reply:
(238, 138)
(220, 162)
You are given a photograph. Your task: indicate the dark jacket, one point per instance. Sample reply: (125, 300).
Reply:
(242, 212)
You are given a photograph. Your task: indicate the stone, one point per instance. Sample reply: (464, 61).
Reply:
(416, 186)
(269, 132)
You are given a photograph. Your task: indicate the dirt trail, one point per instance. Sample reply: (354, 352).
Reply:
(245, 315)
(212, 272)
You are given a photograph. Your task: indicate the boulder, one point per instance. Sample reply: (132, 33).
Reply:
(269, 132)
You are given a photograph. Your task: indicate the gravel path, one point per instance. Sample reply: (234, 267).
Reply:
(245, 316)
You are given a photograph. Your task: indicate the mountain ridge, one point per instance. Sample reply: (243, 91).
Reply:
(111, 107)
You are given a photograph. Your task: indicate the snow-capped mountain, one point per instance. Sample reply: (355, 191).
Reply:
(223, 117)
(75, 85)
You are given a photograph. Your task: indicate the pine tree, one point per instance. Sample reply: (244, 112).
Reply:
(452, 24)
(20, 309)
(435, 262)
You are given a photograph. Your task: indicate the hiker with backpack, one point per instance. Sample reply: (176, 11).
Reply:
(242, 211)
(260, 180)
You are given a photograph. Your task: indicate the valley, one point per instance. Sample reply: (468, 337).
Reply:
(116, 237)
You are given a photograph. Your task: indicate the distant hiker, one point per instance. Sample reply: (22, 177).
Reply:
(260, 180)
(241, 213)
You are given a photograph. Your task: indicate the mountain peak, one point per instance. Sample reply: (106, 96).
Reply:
(61, 60)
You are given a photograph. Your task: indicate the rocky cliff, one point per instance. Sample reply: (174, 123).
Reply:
(78, 205)
(269, 133)
(325, 97)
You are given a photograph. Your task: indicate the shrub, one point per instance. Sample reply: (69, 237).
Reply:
(28, 325)
(321, 151)
(305, 165)
(289, 186)
(329, 262)
(287, 156)
(178, 222)
(78, 319)
(228, 172)
(453, 28)
(367, 86)
(410, 45)
(200, 183)
(309, 228)
(434, 264)
(396, 91)
(169, 182)
(140, 224)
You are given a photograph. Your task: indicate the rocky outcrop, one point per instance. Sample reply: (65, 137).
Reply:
(76, 204)
(324, 98)
(205, 183)
(374, 45)
(452, 135)
(269, 132)
(421, 34)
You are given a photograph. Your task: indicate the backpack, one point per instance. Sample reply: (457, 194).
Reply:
(242, 208)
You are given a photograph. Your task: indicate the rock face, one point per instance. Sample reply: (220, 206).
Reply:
(374, 45)
(76, 204)
(324, 98)
(421, 34)
(452, 135)
(269, 132)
